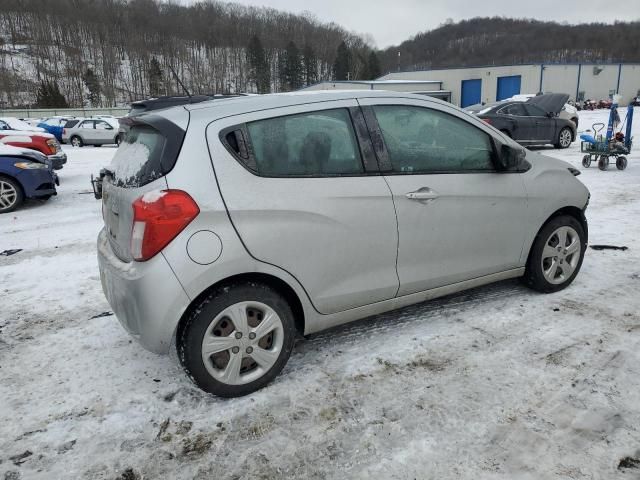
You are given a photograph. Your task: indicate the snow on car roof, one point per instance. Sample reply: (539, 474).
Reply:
(17, 124)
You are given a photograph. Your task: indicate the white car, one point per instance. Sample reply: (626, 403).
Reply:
(12, 123)
(91, 131)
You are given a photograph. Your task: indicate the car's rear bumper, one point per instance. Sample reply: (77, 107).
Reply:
(146, 297)
(58, 160)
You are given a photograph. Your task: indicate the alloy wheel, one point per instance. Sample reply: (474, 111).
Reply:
(565, 138)
(561, 255)
(8, 195)
(242, 343)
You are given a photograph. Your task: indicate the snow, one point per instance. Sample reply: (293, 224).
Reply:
(17, 124)
(128, 160)
(495, 383)
(153, 196)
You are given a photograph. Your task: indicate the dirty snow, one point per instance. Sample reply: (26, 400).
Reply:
(496, 383)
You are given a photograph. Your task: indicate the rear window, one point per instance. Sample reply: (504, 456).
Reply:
(71, 123)
(138, 160)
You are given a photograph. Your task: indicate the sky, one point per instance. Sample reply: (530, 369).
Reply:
(389, 22)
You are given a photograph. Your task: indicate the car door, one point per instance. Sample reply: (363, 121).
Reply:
(104, 132)
(86, 130)
(524, 127)
(458, 217)
(545, 124)
(303, 197)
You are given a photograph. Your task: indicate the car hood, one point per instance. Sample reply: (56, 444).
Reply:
(33, 155)
(24, 133)
(550, 102)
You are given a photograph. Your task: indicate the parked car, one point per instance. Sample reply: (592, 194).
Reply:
(42, 142)
(54, 126)
(229, 226)
(12, 123)
(534, 122)
(24, 173)
(568, 112)
(91, 131)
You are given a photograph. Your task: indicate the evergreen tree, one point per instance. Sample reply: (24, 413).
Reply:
(49, 96)
(310, 65)
(292, 67)
(155, 78)
(93, 85)
(259, 71)
(373, 66)
(342, 63)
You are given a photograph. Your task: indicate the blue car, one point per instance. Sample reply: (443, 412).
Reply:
(54, 126)
(24, 174)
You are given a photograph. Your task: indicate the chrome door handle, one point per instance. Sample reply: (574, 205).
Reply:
(422, 194)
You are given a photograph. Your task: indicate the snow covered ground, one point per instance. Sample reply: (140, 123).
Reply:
(496, 383)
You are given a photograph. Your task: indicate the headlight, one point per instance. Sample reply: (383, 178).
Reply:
(30, 165)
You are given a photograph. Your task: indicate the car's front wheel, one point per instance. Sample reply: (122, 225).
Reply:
(237, 339)
(11, 196)
(565, 137)
(556, 255)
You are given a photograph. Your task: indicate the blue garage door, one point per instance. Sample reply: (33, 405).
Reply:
(508, 87)
(470, 92)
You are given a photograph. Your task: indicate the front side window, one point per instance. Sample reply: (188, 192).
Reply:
(87, 124)
(422, 140)
(534, 111)
(309, 144)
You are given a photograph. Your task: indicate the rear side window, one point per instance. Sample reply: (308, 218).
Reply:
(138, 160)
(320, 143)
(71, 123)
(515, 109)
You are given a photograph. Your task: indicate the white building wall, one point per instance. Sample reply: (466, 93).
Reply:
(555, 78)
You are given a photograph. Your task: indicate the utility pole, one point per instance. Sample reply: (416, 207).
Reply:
(398, 60)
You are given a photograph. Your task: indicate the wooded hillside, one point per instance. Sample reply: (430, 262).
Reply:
(108, 52)
(495, 41)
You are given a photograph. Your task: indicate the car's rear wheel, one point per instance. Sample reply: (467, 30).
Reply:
(565, 137)
(237, 339)
(556, 255)
(118, 140)
(76, 141)
(11, 196)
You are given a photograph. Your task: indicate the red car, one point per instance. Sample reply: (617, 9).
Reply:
(44, 143)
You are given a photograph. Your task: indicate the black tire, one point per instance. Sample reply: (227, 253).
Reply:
(534, 275)
(561, 141)
(117, 140)
(192, 334)
(16, 199)
(621, 163)
(603, 162)
(586, 161)
(98, 145)
(79, 142)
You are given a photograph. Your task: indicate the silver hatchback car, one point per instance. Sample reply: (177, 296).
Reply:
(231, 226)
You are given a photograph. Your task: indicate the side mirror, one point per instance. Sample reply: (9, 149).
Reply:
(510, 157)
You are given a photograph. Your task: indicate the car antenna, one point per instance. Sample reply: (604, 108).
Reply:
(180, 82)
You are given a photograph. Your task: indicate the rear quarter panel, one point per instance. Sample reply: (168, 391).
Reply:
(194, 173)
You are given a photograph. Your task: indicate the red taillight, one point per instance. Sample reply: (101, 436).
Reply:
(486, 120)
(158, 217)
